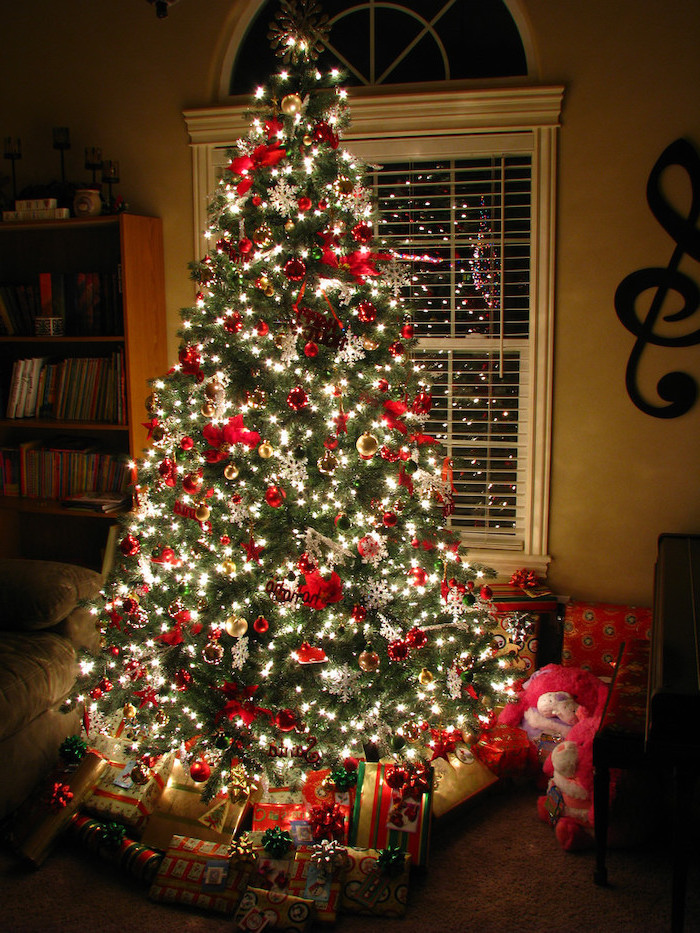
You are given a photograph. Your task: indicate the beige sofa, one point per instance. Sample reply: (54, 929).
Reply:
(42, 629)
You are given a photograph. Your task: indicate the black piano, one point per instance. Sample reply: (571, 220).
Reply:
(673, 701)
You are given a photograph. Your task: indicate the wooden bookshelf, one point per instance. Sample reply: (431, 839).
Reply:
(124, 253)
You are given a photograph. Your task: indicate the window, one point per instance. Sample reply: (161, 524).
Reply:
(465, 183)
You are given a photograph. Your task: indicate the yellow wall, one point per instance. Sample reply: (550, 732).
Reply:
(120, 79)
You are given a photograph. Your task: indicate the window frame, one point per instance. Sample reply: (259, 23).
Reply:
(463, 121)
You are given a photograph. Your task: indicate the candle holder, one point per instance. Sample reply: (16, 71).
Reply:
(61, 141)
(93, 162)
(110, 176)
(12, 150)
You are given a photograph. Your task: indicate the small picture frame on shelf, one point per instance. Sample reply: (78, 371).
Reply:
(48, 326)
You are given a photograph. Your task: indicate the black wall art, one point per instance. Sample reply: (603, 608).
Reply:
(668, 286)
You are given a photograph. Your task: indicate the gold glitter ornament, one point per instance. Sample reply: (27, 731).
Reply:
(368, 661)
(202, 512)
(213, 651)
(236, 626)
(229, 567)
(129, 711)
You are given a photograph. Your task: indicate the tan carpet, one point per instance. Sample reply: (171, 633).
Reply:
(494, 867)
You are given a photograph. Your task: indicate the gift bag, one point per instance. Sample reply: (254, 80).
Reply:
(181, 811)
(375, 884)
(200, 874)
(273, 910)
(457, 779)
(117, 796)
(390, 813)
(41, 819)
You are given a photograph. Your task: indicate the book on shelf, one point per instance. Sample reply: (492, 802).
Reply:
(19, 306)
(34, 367)
(93, 501)
(38, 213)
(9, 461)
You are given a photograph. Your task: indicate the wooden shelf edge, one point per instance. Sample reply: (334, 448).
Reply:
(49, 507)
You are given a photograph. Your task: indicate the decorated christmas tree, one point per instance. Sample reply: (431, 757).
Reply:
(286, 593)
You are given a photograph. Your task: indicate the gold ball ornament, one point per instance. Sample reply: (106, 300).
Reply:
(129, 711)
(263, 236)
(208, 409)
(328, 463)
(289, 226)
(291, 104)
(369, 344)
(202, 512)
(268, 291)
(265, 450)
(236, 626)
(307, 140)
(231, 471)
(212, 389)
(343, 186)
(367, 445)
(368, 660)
(158, 433)
(425, 677)
(229, 567)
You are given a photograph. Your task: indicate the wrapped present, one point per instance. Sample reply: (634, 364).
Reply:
(181, 811)
(200, 874)
(273, 910)
(328, 792)
(458, 778)
(593, 633)
(376, 882)
(48, 813)
(120, 796)
(317, 875)
(110, 842)
(520, 611)
(393, 808)
(507, 751)
(268, 815)
(273, 851)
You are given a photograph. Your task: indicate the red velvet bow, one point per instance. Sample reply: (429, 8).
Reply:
(262, 157)
(224, 437)
(327, 822)
(240, 703)
(392, 412)
(405, 480)
(443, 742)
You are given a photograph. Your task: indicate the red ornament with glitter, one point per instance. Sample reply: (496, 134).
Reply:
(297, 399)
(295, 270)
(366, 312)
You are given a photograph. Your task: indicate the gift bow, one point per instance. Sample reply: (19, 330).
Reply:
(113, 834)
(327, 822)
(343, 778)
(61, 795)
(276, 841)
(241, 849)
(391, 861)
(72, 749)
(328, 854)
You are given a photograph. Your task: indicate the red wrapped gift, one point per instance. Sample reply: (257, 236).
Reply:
(507, 751)
(269, 815)
(318, 790)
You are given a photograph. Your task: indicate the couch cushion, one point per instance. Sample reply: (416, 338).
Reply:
(37, 594)
(37, 671)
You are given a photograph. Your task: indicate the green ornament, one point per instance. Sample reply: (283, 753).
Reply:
(469, 599)
(410, 466)
(316, 253)
(221, 741)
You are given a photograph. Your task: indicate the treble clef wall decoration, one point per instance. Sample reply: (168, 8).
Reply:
(678, 389)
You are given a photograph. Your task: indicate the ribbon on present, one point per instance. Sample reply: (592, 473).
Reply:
(60, 795)
(276, 841)
(73, 749)
(327, 822)
(113, 834)
(241, 849)
(391, 861)
(343, 778)
(328, 855)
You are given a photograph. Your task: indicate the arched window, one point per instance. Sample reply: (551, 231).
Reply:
(465, 176)
(384, 42)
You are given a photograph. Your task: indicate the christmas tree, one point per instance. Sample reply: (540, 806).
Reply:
(286, 594)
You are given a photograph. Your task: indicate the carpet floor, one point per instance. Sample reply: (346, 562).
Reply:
(493, 867)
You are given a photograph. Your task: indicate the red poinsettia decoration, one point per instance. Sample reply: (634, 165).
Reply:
(221, 438)
(261, 157)
(318, 592)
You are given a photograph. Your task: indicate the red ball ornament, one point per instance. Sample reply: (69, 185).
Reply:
(390, 519)
(183, 678)
(366, 312)
(186, 443)
(233, 322)
(129, 546)
(225, 539)
(396, 349)
(192, 483)
(168, 471)
(383, 385)
(286, 720)
(274, 496)
(359, 614)
(305, 564)
(257, 200)
(486, 593)
(322, 204)
(330, 443)
(418, 576)
(311, 348)
(407, 331)
(200, 771)
(422, 403)
(262, 329)
(362, 233)
(294, 269)
(245, 245)
(189, 360)
(297, 399)
(261, 625)
(416, 637)
(304, 203)
(397, 650)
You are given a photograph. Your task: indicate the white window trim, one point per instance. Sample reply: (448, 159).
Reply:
(532, 111)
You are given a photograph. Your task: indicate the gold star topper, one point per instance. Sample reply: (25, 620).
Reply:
(300, 30)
